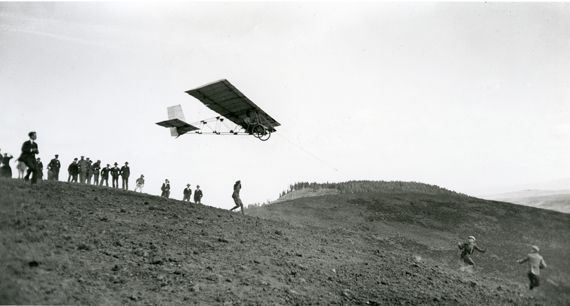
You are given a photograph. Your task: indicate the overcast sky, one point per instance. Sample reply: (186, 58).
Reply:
(468, 96)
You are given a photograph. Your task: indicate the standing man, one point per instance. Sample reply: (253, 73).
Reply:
(28, 157)
(235, 196)
(535, 262)
(95, 168)
(40, 167)
(53, 169)
(165, 188)
(125, 172)
(6, 170)
(140, 183)
(105, 175)
(89, 171)
(73, 171)
(198, 195)
(82, 164)
(187, 193)
(115, 172)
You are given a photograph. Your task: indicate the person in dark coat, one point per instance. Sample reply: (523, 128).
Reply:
(83, 164)
(105, 175)
(28, 157)
(95, 169)
(187, 193)
(73, 171)
(198, 195)
(6, 170)
(165, 189)
(53, 169)
(235, 196)
(115, 172)
(125, 173)
(40, 167)
(89, 171)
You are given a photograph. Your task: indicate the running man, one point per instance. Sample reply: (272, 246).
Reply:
(467, 248)
(235, 196)
(535, 262)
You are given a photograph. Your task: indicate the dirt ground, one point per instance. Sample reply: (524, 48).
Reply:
(65, 243)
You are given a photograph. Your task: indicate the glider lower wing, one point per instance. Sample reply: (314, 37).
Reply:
(180, 126)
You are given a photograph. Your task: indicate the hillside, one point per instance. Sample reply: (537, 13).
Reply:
(558, 200)
(64, 243)
(430, 225)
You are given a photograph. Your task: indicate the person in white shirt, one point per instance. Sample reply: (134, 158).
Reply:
(140, 183)
(535, 262)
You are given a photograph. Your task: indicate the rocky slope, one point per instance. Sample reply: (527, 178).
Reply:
(64, 243)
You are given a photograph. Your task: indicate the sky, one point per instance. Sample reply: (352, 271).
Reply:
(468, 96)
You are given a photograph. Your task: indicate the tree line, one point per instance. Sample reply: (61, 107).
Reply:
(369, 186)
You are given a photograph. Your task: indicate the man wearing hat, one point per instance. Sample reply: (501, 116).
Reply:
(140, 183)
(535, 262)
(28, 157)
(53, 169)
(467, 248)
(83, 165)
(125, 173)
(115, 171)
(73, 171)
(105, 176)
(198, 195)
(95, 169)
(40, 168)
(89, 171)
(165, 188)
(187, 193)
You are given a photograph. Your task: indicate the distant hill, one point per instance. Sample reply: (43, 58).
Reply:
(64, 243)
(430, 224)
(558, 200)
(306, 189)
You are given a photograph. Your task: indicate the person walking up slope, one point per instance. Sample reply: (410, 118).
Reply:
(235, 196)
(535, 262)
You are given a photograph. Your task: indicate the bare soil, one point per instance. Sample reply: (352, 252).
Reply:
(66, 243)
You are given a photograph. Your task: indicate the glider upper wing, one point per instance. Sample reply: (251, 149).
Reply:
(226, 100)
